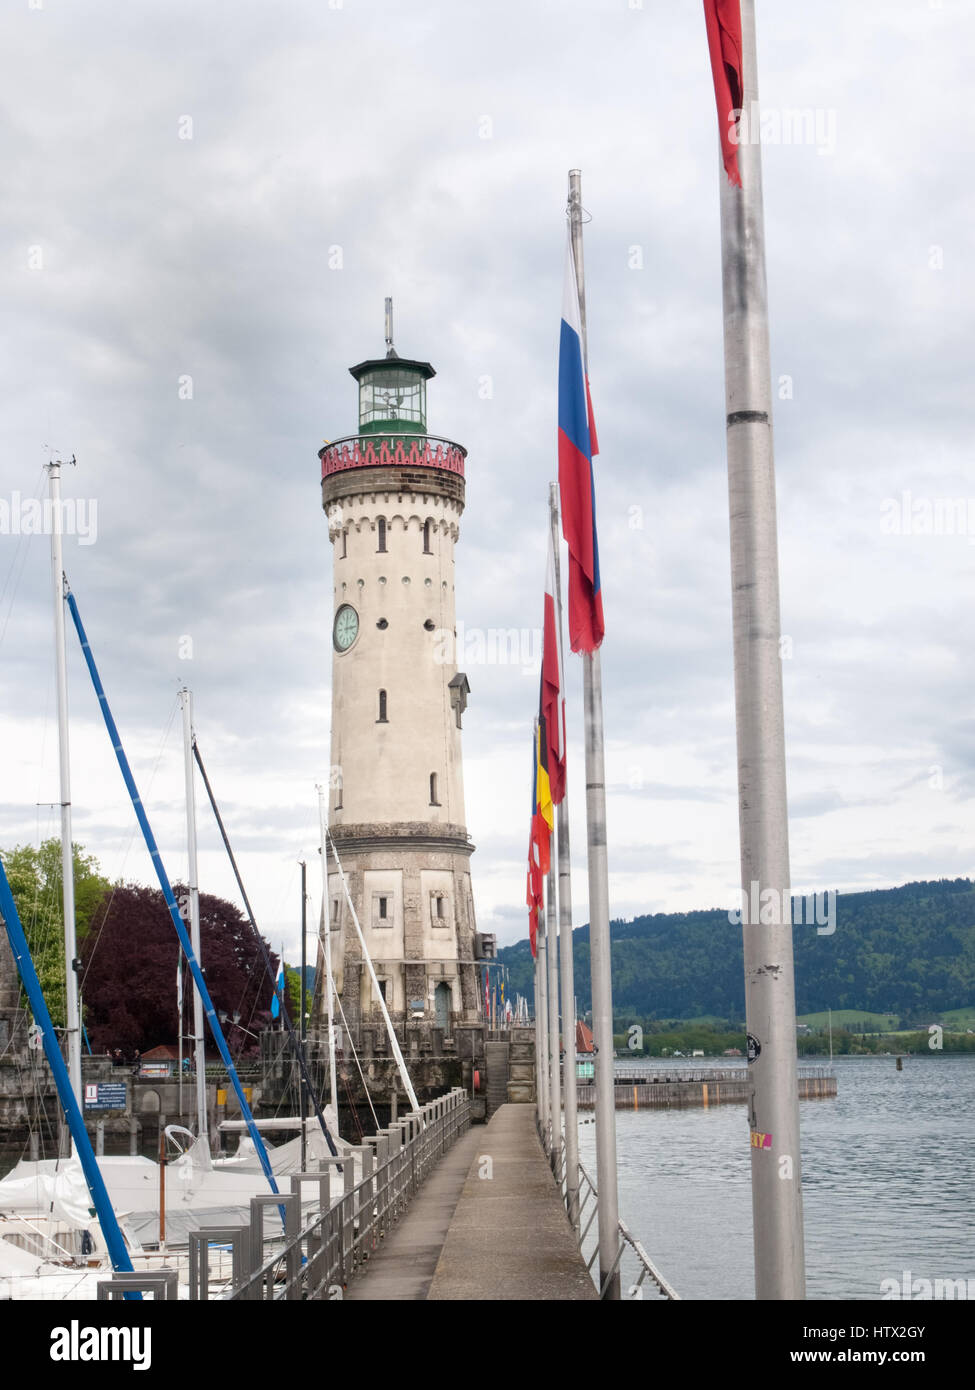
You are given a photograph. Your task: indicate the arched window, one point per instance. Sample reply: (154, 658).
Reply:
(433, 790)
(381, 535)
(427, 537)
(382, 708)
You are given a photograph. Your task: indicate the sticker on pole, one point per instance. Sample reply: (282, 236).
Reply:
(761, 1141)
(753, 1047)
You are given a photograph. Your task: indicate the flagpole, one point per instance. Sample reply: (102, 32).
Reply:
(569, 1090)
(302, 1018)
(769, 979)
(541, 1030)
(554, 1088)
(599, 942)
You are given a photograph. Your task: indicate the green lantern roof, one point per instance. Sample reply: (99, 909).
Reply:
(392, 390)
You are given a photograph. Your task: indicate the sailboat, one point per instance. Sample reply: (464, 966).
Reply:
(46, 1216)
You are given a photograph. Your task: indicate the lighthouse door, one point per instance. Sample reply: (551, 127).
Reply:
(442, 1006)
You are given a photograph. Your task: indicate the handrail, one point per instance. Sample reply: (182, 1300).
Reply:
(319, 1261)
(587, 1194)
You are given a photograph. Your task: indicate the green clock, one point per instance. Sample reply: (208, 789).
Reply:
(346, 628)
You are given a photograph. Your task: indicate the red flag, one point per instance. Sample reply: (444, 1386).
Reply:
(723, 20)
(553, 685)
(540, 833)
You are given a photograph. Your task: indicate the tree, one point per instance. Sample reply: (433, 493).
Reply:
(36, 883)
(130, 956)
(292, 995)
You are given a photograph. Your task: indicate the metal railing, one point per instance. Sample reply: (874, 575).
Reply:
(319, 1261)
(644, 1267)
(390, 449)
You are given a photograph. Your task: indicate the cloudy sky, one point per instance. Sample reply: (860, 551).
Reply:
(203, 207)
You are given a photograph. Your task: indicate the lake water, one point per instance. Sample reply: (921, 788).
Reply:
(888, 1181)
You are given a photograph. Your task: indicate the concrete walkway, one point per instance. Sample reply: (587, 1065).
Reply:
(509, 1237)
(404, 1266)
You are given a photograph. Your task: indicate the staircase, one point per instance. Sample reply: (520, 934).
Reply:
(521, 1066)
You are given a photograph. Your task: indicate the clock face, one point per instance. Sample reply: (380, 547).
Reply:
(346, 628)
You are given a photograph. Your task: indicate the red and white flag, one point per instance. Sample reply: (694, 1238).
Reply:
(723, 20)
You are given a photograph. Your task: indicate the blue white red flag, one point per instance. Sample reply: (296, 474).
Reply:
(577, 445)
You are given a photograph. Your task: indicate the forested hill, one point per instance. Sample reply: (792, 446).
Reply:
(895, 950)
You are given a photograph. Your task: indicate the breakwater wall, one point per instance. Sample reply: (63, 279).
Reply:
(718, 1086)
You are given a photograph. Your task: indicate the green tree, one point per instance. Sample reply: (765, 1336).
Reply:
(292, 975)
(36, 884)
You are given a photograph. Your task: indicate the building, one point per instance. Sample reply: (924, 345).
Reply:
(394, 496)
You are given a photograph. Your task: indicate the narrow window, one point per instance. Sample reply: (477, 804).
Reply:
(382, 708)
(382, 990)
(338, 799)
(335, 913)
(433, 790)
(440, 909)
(345, 545)
(427, 537)
(381, 532)
(382, 907)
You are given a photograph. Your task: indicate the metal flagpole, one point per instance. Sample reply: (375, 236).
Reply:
(327, 931)
(303, 1097)
(71, 962)
(599, 943)
(569, 1089)
(199, 1035)
(554, 1089)
(769, 982)
(541, 1029)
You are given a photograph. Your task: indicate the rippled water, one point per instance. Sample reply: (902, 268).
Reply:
(888, 1182)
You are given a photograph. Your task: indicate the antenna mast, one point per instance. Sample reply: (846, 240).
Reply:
(390, 350)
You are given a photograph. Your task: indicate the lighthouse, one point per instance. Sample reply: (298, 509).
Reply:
(393, 496)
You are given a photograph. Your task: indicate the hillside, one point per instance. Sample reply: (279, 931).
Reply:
(903, 951)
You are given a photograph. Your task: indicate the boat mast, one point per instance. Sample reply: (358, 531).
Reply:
(199, 1035)
(393, 1040)
(71, 962)
(302, 1030)
(327, 930)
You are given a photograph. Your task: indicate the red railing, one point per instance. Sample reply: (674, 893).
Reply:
(392, 450)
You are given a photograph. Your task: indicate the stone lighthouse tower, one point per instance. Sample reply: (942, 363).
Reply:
(393, 496)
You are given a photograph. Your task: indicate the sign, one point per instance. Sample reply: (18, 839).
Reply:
(157, 1069)
(106, 1095)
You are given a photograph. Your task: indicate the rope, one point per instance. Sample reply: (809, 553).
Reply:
(292, 1037)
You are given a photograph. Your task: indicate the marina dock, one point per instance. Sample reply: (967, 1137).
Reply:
(647, 1090)
(466, 1234)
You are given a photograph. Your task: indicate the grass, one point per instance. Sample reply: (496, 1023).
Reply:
(846, 1018)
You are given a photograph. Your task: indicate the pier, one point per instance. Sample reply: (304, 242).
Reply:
(704, 1087)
